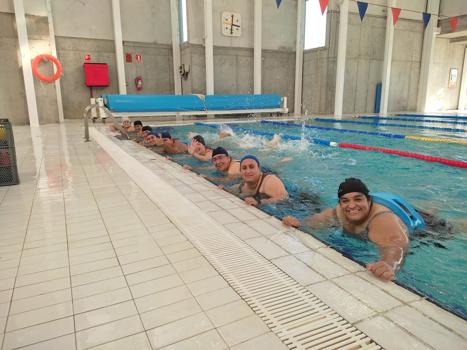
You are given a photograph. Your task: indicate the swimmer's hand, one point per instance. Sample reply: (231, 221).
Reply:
(251, 201)
(382, 270)
(221, 187)
(187, 167)
(291, 221)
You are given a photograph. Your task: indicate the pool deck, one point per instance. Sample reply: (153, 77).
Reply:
(107, 245)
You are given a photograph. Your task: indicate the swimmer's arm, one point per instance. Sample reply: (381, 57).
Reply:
(228, 178)
(391, 238)
(204, 158)
(275, 189)
(325, 218)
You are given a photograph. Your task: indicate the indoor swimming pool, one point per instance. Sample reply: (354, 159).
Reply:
(436, 264)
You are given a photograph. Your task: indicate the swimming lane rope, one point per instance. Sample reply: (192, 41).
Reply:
(427, 158)
(380, 134)
(323, 120)
(406, 119)
(432, 116)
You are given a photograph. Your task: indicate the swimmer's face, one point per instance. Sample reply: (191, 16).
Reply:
(250, 170)
(126, 124)
(355, 207)
(221, 162)
(152, 139)
(167, 141)
(138, 128)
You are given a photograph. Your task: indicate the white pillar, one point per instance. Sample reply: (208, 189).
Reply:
(53, 46)
(175, 20)
(258, 46)
(387, 61)
(427, 55)
(208, 43)
(463, 91)
(341, 53)
(119, 46)
(299, 57)
(26, 62)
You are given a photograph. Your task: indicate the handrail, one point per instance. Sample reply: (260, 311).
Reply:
(88, 109)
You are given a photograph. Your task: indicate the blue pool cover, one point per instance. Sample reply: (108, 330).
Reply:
(180, 103)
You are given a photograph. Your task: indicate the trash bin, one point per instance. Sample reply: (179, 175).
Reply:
(8, 167)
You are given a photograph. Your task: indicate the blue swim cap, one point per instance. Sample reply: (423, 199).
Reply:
(166, 135)
(249, 156)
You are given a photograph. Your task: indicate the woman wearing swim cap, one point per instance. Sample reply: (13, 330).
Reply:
(257, 187)
(359, 215)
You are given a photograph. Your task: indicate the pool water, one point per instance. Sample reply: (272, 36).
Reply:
(436, 265)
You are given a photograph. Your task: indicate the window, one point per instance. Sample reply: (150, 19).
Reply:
(184, 22)
(315, 25)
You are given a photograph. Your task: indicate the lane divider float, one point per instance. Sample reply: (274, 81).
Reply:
(331, 120)
(415, 120)
(379, 134)
(424, 157)
(431, 116)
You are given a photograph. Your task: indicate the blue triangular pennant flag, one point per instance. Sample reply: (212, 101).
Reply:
(362, 6)
(426, 18)
(278, 3)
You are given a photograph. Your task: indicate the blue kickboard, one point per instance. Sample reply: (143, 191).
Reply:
(153, 103)
(234, 102)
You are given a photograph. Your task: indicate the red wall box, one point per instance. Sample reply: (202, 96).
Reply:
(96, 74)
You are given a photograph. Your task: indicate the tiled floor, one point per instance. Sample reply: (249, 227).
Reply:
(89, 260)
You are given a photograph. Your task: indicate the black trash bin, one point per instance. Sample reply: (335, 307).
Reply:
(8, 167)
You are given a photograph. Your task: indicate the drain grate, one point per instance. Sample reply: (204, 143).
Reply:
(291, 311)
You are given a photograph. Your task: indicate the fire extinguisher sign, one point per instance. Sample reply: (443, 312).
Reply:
(138, 58)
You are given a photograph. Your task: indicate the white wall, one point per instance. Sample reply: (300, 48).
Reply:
(453, 7)
(279, 24)
(31, 7)
(145, 21)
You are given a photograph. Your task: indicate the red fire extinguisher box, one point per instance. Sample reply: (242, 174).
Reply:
(96, 74)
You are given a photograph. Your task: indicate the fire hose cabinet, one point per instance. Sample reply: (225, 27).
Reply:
(8, 166)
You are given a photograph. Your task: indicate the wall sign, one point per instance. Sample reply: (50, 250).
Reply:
(453, 73)
(231, 24)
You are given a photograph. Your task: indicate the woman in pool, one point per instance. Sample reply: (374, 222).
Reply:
(199, 150)
(258, 188)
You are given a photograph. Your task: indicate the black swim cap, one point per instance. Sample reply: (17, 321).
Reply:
(352, 184)
(138, 122)
(199, 139)
(147, 128)
(219, 150)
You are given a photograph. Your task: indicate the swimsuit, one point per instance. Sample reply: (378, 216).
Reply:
(258, 196)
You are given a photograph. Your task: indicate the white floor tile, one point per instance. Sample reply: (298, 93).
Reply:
(104, 315)
(179, 330)
(108, 332)
(133, 342)
(242, 330)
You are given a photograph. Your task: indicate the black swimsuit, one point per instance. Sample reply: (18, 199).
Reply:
(258, 196)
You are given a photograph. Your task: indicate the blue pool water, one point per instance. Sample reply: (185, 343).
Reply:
(436, 266)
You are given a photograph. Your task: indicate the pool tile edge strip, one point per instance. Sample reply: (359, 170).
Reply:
(235, 261)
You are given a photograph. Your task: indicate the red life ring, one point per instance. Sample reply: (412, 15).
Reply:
(46, 57)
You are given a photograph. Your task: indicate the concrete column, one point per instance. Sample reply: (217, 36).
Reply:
(387, 61)
(341, 53)
(119, 46)
(54, 53)
(299, 57)
(208, 43)
(463, 91)
(258, 46)
(26, 62)
(427, 55)
(175, 20)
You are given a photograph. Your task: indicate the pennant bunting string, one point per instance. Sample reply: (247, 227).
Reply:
(362, 7)
(453, 23)
(395, 14)
(278, 3)
(324, 5)
(426, 19)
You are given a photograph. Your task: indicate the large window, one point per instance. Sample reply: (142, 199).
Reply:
(184, 21)
(315, 25)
